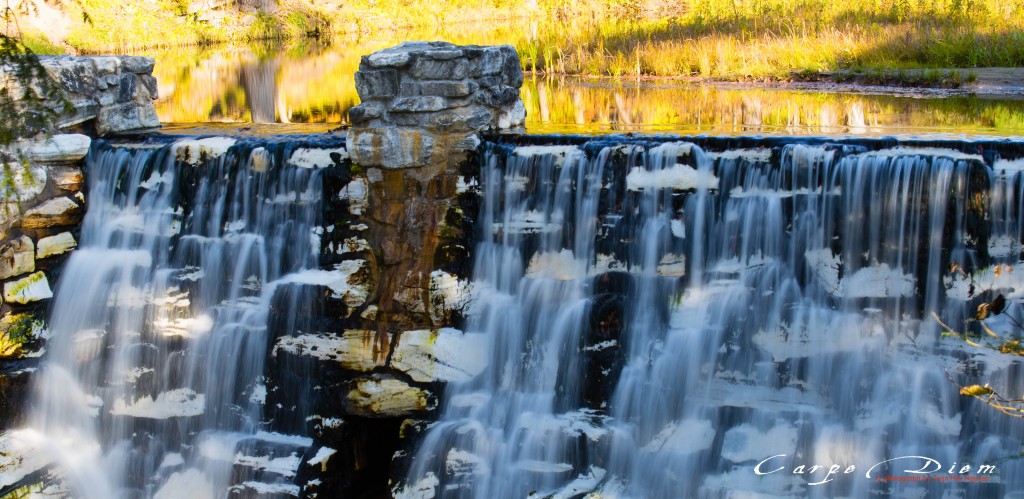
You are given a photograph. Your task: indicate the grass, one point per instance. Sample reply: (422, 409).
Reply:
(771, 39)
(713, 39)
(39, 44)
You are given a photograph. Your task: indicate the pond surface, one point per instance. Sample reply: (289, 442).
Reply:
(308, 84)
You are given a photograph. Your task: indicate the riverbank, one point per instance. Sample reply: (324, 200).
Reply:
(768, 41)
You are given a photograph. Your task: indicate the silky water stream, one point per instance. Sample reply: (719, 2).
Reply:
(669, 321)
(153, 381)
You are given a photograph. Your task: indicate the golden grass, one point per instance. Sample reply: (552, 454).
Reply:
(717, 39)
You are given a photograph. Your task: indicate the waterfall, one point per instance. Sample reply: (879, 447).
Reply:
(669, 321)
(153, 381)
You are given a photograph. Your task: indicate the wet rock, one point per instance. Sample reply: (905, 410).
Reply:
(448, 296)
(354, 350)
(67, 178)
(317, 158)
(356, 193)
(30, 289)
(390, 147)
(19, 336)
(24, 184)
(21, 455)
(444, 354)
(348, 281)
(17, 257)
(15, 390)
(55, 245)
(601, 350)
(59, 211)
(61, 148)
(386, 396)
(126, 117)
(195, 152)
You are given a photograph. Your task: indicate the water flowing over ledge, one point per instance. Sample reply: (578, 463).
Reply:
(503, 315)
(662, 315)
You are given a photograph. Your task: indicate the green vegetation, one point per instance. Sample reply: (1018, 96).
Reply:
(718, 39)
(758, 39)
(116, 25)
(15, 331)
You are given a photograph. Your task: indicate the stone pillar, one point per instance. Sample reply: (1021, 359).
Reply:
(424, 101)
(424, 106)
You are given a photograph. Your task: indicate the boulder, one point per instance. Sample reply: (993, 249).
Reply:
(383, 396)
(30, 289)
(67, 178)
(24, 184)
(356, 350)
(419, 96)
(59, 211)
(126, 117)
(390, 147)
(444, 354)
(61, 148)
(55, 245)
(17, 257)
(115, 93)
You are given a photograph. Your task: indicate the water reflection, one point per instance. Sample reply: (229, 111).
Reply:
(313, 84)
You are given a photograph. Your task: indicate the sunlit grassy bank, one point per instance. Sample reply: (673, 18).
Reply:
(719, 39)
(777, 38)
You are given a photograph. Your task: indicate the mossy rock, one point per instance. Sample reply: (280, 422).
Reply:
(17, 333)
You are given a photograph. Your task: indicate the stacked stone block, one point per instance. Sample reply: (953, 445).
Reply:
(425, 100)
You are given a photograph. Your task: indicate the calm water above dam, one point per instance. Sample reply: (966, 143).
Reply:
(307, 84)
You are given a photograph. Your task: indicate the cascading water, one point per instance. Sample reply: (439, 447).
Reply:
(670, 322)
(152, 385)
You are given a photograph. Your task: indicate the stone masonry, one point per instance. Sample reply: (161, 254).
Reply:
(425, 100)
(108, 94)
(424, 104)
(42, 200)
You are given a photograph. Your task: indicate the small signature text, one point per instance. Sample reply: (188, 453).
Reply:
(911, 469)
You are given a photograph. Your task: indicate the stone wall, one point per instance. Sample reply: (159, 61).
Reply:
(108, 94)
(41, 208)
(42, 200)
(425, 101)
